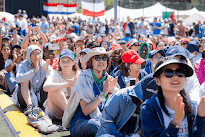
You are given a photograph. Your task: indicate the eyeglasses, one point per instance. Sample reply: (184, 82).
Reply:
(98, 58)
(184, 43)
(49, 51)
(169, 73)
(34, 40)
(35, 54)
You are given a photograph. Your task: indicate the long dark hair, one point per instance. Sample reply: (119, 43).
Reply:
(125, 69)
(188, 110)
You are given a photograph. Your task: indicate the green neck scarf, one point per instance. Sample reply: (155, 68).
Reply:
(99, 81)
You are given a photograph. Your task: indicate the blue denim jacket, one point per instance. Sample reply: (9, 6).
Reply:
(123, 81)
(118, 111)
(152, 121)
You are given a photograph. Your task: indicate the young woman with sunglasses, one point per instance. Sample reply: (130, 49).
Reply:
(170, 111)
(92, 88)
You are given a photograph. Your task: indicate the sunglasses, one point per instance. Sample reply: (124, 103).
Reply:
(184, 43)
(98, 58)
(34, 40)
(136, 45)
(169, 73)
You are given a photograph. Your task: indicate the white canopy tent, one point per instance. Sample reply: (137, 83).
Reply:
(155, 10)
(194, 18)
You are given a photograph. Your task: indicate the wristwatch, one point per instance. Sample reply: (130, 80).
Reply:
(175, 125)
(12, 64)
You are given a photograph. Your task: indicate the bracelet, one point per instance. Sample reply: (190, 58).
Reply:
(34, 71)
(104, 96)
(100, 98)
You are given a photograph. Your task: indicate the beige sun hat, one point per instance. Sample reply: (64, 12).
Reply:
(96, 51)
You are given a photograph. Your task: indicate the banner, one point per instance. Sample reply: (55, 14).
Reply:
(93, 9)
(59, 8)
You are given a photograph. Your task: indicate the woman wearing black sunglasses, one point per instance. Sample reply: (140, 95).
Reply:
(170, 111)
(92, 88)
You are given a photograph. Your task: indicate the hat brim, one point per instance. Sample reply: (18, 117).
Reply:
(139, 61)
(188, 69)
(91, 54)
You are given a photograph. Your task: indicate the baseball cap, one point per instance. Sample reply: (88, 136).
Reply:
(170, 60)
(176, 50)
(131, 56)
(60, 38)
(77, 40)
(192, 46)
(170, 39)
(133, 41)
(121, 42)
(153, 52)
(115, 46)
(6, 37)
(86, 50)
(184, 40)
(15, 46)
(165, 40)
(93, 44)
(46, 45)
(66, 53)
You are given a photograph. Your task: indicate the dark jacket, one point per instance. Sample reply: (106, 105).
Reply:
(152, 121)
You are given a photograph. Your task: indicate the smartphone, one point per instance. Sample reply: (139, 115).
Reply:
(53, 47)
(132, 81)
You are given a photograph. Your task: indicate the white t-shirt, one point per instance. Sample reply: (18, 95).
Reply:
(127, 30)
(166, 27)
(183, 130)
(142, 30)
(102, 30)
(24, 24)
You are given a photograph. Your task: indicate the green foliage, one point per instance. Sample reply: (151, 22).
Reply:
(79, 11)
(109, 4)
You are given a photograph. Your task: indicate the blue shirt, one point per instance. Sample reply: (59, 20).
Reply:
(97, 89)
(44, 25)
(156, 31)
(76, 26)
(123, 81)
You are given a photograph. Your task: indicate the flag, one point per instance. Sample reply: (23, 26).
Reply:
(59, 8)
(93, 9)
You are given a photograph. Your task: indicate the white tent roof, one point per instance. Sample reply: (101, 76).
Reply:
(152, 11)
(193, 18)
(155, 10)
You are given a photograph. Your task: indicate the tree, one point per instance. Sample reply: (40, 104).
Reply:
(109, 4)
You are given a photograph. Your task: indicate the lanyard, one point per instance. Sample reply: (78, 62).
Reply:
(99, 81)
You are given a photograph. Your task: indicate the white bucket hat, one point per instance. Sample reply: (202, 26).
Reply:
(96, 51)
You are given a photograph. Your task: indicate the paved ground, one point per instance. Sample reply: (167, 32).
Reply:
(4, 129)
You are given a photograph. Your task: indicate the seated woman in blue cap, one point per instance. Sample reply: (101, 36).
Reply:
(92, 90)
(60, 84)
(11, 66)
(170, 112)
